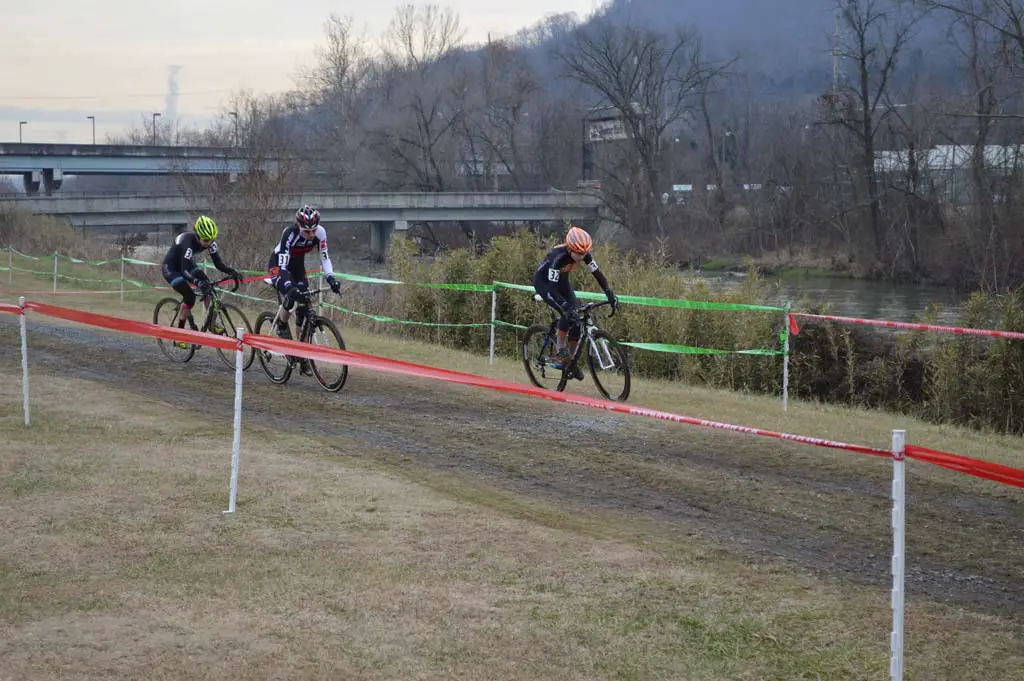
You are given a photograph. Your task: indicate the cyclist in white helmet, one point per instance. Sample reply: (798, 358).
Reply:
(287, 266)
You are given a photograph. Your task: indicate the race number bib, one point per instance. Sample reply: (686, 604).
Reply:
(188, 254)
(553, 274)
(592, 265)
(282, 260)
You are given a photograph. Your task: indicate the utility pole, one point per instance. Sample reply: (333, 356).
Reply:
(835, 58)
(155, 114)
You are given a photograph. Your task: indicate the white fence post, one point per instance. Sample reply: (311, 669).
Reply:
(899, 515)
(494, 312)
(24, 358)
(237, 441)
(10, 265)
(55, 271)
(124, 248)
(785, 360)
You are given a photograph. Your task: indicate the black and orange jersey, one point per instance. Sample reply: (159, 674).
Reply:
(559, 262)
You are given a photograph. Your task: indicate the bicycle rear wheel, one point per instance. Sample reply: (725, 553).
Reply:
(226, 322)
(278, 367)
(166, 314)
(609, 366)
(539, 359)
(329, 375)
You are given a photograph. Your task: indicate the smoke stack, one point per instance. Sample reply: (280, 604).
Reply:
(171, 98)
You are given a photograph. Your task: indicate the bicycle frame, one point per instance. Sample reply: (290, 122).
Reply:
(307, 302)
(212, 302)
(588, 331)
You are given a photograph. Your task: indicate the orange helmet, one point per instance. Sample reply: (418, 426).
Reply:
(578, 241)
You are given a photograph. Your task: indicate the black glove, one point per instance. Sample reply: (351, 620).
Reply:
(573, 317)
(205, 287)
(334, 284)
(294, 295)
(613, 300)
(235, 274)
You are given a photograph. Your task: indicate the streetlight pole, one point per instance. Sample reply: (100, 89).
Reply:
(93, 119)
(20, 124)
(234, 114)
(155, 115)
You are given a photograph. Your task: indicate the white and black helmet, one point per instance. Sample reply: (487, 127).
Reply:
(307, 217)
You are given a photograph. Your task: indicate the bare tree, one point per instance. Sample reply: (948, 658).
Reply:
(1005, 17)
(337, 90)
(651, 79)
(501, 89)
(876, 33)
(420, 35)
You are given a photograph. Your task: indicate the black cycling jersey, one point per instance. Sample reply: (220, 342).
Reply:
(181, 257)
(558, 262)
(551, 281)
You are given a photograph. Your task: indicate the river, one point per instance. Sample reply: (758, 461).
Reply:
(861, 298)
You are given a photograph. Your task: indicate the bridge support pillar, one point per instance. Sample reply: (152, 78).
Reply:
(53, 178)
(380, 237)
(32, 181)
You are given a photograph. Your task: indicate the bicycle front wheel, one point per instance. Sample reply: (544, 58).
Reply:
(609, 366)
(539, 359)
(278, 367)
(166, 314)
(329, 375)
(226, 323)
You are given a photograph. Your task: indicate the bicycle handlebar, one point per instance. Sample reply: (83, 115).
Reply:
(584, 309)
(228, 278)
(308, 295)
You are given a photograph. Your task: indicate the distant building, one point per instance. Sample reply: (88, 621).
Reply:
(945, 170)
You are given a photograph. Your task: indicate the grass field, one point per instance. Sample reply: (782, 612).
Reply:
(404, 530)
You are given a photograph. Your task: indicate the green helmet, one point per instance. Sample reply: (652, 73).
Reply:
(206, 229)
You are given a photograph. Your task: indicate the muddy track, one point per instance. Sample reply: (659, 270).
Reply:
(826, 514)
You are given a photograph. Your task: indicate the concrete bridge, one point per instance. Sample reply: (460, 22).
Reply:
(45, 165)
(384, 211)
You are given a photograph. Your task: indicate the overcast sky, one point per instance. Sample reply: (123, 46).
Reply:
(62, 60)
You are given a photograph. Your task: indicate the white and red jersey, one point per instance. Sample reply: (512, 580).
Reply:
(290, 252)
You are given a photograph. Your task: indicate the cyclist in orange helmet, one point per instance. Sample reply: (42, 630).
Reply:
(551, 282)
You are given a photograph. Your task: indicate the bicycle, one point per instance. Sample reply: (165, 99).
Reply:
(221, 318)
(606, 358)
(317, 330)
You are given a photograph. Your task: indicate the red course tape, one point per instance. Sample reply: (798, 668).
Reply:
(131, 326)
(915, 327)
(963, 464)
(399, 367)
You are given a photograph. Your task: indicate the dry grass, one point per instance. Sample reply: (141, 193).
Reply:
(118, 564)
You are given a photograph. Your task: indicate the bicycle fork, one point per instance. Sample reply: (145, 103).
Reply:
(601, 350)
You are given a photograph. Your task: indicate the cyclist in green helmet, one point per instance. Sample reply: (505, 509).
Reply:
(180, 269)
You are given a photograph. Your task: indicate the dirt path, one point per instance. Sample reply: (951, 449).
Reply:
(827, 513)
